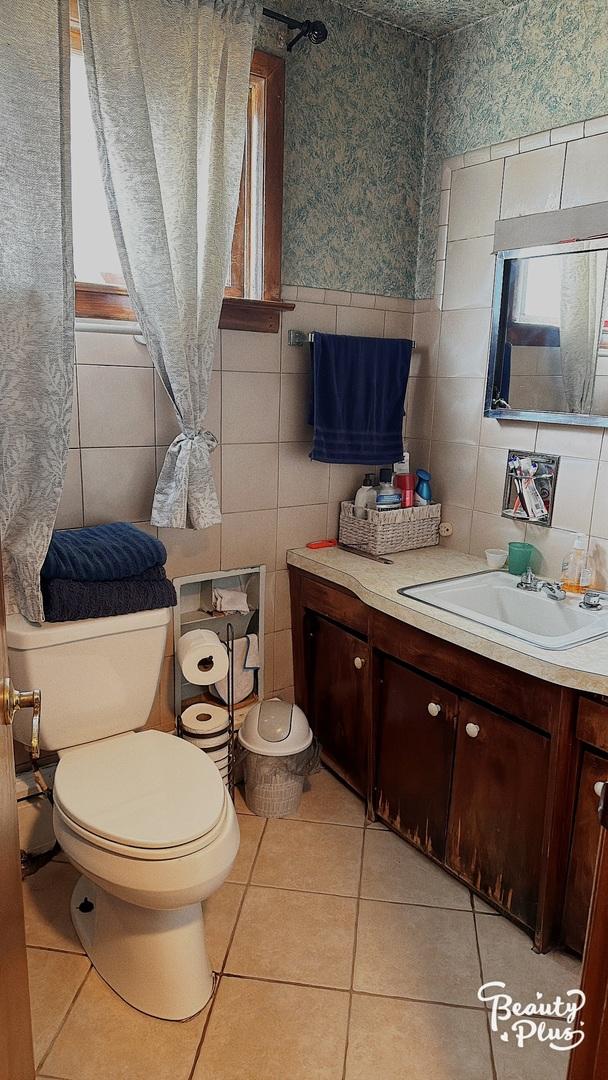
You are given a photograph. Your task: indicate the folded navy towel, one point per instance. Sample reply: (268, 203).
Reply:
(68, 601)
(358, 392)
(102, 553)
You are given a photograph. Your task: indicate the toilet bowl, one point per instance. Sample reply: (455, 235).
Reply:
(145, 817)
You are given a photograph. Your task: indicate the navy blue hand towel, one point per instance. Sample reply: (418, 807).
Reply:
(67, 601)
(358, 392)
(102, 553)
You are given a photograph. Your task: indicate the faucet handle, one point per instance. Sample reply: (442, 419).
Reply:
(591, 600)
(528, 579)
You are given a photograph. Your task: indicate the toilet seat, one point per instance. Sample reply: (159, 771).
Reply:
(147, 795)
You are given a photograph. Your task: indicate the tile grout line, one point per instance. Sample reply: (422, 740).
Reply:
(65, 1018)
(487, 1014)
(354, 958)
(220, 974)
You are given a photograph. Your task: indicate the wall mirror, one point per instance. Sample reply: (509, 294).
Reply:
(549, 343)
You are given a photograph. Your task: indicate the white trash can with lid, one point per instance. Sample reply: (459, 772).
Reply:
(278, 752)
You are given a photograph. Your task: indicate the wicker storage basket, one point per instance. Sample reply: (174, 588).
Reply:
(383, 531)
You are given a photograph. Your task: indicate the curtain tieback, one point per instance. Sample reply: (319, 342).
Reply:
(208, 438)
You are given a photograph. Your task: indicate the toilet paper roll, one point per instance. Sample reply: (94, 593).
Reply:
(202, 657)
(199, 721)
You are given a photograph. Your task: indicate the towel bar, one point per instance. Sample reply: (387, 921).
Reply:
(304, 337)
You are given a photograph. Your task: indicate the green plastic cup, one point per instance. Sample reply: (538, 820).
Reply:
(521, 556)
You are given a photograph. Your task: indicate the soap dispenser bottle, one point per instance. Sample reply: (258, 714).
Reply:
(365, 498)
(573, 579)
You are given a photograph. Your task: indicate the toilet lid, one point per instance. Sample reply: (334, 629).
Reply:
(143, 790)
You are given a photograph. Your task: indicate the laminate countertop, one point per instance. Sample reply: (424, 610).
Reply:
(584, 667)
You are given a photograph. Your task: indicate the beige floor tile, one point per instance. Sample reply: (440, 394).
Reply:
(220, 912)
(46, 901)
(534, 1059)
(416, 952)
(438, 1042)
(327, 799)
(377, 825)
(54, 981)
(105, 1039)
(310, 855)
(482, 908)
(392, 870)
(506, 955)
(251, 830)
(294, 936)
(268, 1031)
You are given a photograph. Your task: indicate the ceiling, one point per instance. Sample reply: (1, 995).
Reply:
(430, 17)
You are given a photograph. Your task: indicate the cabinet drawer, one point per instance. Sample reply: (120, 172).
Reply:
(414, 751)
(328, 600)
(592, 723)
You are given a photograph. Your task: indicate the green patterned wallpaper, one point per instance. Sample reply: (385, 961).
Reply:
(533, 68)
(354, 142)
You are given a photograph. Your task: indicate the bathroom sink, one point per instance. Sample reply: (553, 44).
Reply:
(494, 600)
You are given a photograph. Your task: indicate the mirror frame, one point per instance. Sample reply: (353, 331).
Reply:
(498, 332)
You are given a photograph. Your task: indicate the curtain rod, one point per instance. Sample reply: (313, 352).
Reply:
(316, 31)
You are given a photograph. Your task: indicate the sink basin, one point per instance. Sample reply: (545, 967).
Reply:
(494, 600)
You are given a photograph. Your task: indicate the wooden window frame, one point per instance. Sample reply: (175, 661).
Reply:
(102, 301)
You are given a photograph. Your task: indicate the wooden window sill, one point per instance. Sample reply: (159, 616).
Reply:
(112, 303)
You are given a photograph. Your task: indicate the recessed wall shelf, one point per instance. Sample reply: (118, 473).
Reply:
(545, 478)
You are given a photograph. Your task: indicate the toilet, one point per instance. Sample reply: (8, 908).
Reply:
(145, 817)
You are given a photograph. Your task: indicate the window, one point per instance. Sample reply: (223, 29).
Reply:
(252, 295)
(538, 292)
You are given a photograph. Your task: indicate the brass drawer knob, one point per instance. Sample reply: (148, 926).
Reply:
(598, 788)
(433, 708)
(358, 662)
(472, 730)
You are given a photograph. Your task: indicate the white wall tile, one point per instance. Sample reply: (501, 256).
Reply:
(460, 519)
(444, 206)
(458, 408)
(597, 126)
(533, 182)
(475, 200)
(586, 173)
(269, 601)
(505, 149)
(243, 351)
(116, 406)
(534, 141)
(463, 345)
(282, 601)
(512, 434)
(283, 660)
(364, 300)
(250, 407)
(345, 480)
(307, 317)
(295, 399)
(297, 526)
(398, 324)
(570, 440)
(453, 470)
(604, 450)
(301, 481)
(74, 419)
(469, 277)
(477, 156)
(191, 551)
(314, 296)
(334, 296)
(364, 322)
(249, 539)
(574, 494)
(118, 484)
(249, 476)
(599, 522)
(426, 329)
(114, 349)
(567, 132)
(419, 402)
(490, 531)
(70, 512)
(491, 470)
(553, 545)
(420, 453)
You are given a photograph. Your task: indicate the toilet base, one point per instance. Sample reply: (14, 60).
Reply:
(156, 960)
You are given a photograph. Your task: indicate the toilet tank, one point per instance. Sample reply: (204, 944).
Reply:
(98, 677)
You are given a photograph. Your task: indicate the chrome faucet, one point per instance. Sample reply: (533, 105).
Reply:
(529, 582)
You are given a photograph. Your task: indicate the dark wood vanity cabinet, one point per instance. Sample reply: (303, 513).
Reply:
(485, 769)
(497, 808)
(415, 734)
(337, 665)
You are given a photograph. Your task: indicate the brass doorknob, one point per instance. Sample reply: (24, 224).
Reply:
(13, 700)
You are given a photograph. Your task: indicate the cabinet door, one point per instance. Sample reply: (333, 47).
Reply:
(416, 722)
(583, 853)
(337, 670)
(497, 810)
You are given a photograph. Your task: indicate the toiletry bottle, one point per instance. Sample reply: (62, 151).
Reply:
(387, 496)
(423, 494)
(574, 566)
(365, 497)
(400, 468)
